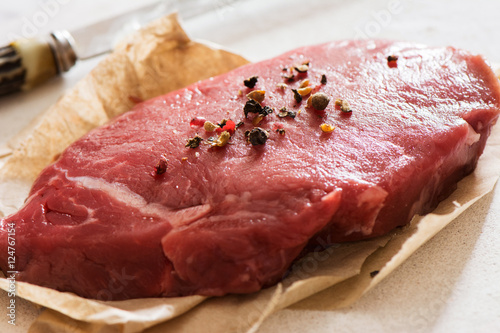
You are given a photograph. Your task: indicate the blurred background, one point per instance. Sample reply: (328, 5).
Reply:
(283, 24)
(451, 284)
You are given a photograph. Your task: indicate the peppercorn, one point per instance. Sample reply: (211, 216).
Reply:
(282, 86)
(392, 61)
(209, 126)
(197, 122)
(319, 101)
(257, 95)
(343, 105)
(327, 128)
(304, 83)
(251, 106)
(251, 81)
(323, 79)
(194, 142)
(265, 111)
(297, 96)
(302, 68)
(285, 113)
(223, 139)
(257, 136)
(392, 58)
(304, 91)
(256, 120)
(161, 166)
(226, 125)
(288, 75)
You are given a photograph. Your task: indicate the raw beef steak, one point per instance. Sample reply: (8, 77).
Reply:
(156, 203)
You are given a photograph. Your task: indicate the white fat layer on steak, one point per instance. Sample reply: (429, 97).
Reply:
(122, 193)
(472, 136)
(373, 199)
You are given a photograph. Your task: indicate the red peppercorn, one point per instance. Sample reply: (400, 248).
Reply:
(161, 166)
(392, 61)
(197, 122)
(229, 126)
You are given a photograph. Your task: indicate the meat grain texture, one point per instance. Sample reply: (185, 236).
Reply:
(103, 223)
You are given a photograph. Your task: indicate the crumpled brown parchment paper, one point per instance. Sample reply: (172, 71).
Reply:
(158, 59)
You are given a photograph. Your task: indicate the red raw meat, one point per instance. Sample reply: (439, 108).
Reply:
(129, 211)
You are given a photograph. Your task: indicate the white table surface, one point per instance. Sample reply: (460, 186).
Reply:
(452, 284)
